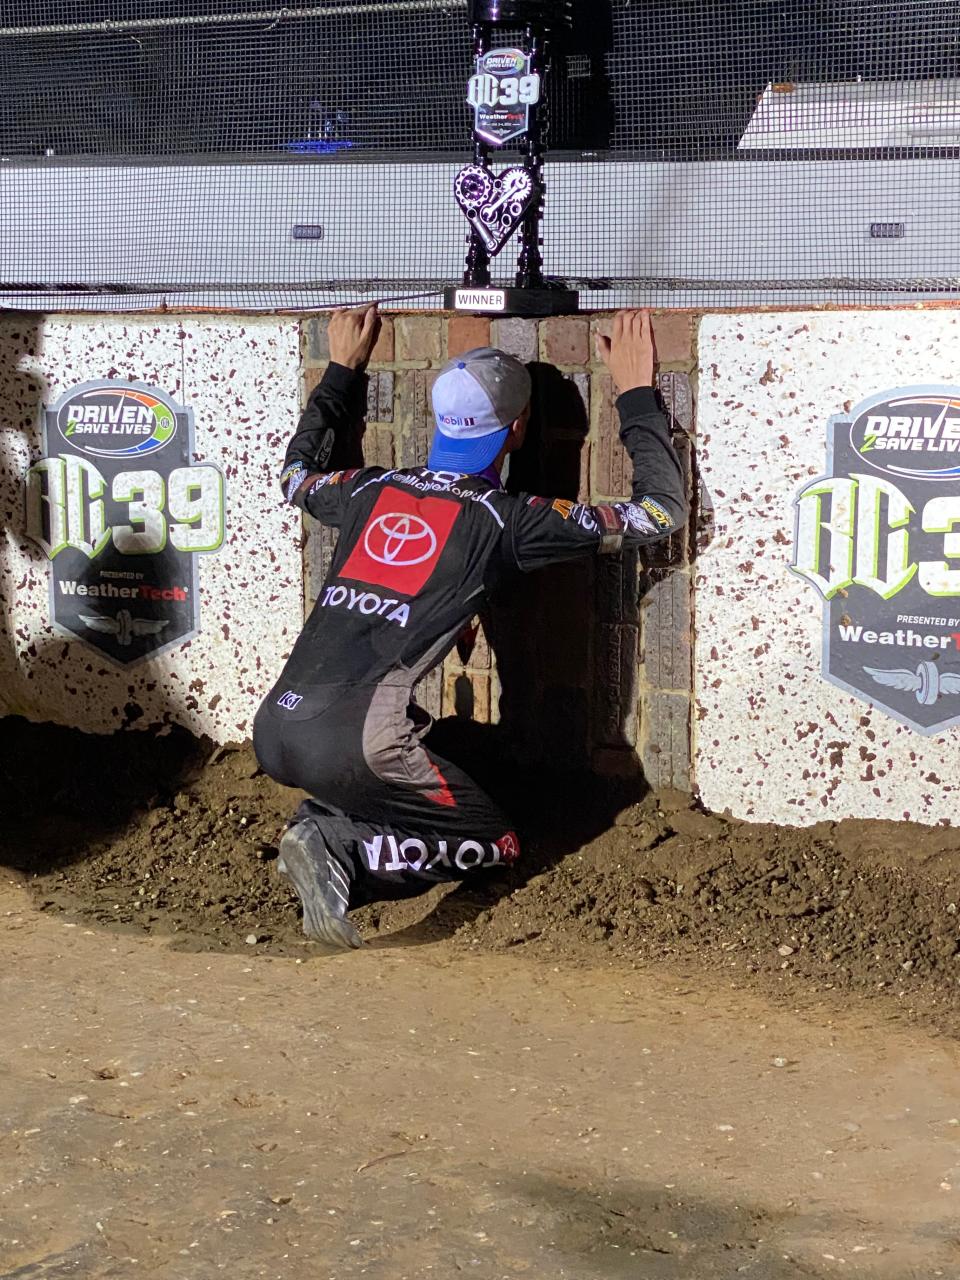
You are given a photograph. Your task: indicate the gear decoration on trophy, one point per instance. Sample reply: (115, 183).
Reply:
(494, 204)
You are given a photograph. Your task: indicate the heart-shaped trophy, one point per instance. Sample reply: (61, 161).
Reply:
(494, 204)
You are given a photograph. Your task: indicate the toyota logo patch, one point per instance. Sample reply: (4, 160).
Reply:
(399, 539)
(401, 542)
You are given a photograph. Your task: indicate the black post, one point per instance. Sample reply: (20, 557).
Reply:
(477, 272)
(530, 263)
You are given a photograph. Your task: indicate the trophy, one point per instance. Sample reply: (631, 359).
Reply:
(506, 93)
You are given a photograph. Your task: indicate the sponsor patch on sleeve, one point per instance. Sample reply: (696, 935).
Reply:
(330, 478)
(291, 478)
(635, 518)
(655, 510)
(612, 524)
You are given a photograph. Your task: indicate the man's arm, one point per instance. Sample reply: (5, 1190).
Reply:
(335, 408)
(545, 531)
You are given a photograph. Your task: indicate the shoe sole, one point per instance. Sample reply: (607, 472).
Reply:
(319, 922)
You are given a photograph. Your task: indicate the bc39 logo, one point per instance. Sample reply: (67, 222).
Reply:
(121, 509)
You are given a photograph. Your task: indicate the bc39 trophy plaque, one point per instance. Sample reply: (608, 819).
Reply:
(506, 93)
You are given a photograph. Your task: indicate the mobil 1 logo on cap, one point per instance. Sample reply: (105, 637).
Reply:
(878, 537)
(121, 511)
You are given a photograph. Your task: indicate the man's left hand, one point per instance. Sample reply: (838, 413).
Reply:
(353, 335)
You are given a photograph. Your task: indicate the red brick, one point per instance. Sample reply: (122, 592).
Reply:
(418, 337)
(565, 340)
(465, 333)
(383, 351)
(602, 323)
(673, 334)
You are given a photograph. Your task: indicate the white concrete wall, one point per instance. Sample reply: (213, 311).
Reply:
(241, 378)
(774, 741)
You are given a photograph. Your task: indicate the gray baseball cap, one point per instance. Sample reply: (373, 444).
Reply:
(475, 398)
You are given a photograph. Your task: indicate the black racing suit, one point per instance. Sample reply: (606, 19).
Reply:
(419, 551)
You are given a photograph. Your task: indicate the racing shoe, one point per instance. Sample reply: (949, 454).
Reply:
(321, 883)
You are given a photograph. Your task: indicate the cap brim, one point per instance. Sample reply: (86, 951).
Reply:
(465, 456)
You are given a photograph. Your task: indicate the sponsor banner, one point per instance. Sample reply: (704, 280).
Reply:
(501, 92)
(878, 537)
(121, 511)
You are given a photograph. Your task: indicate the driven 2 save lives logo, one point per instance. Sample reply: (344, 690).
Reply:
(121, 512)
(878, 536)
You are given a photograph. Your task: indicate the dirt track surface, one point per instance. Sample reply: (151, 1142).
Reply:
(667, 1046)
(167, 836)
(409, 1112)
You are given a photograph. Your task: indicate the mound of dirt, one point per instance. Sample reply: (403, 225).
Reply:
(170, 835)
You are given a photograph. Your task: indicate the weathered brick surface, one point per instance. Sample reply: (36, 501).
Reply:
(583, 489)
(665, 752)
(378, 450)
(565, 340)
(677, 393)
(518, 337)
(380, 396)
(466, 695)
(617, 595)
(418, 338)
(316, 348)
(615, 685)
(666, 636)
(614, 474)
(383, 352)
(466, 333)
(429, 693)
(673, 333)
(318, 555)
(414, 420)
(311, 376)
(582, 669)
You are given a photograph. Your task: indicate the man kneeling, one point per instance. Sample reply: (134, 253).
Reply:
(419, 551)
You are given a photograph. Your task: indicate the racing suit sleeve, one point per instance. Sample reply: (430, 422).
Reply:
(335, 407)
(544, 530)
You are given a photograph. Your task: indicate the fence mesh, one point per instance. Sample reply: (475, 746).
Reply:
(231, 153)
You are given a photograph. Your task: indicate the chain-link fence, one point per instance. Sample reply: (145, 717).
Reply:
(222, 153)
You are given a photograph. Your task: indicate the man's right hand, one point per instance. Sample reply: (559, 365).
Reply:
(353, 334)
(630, 352)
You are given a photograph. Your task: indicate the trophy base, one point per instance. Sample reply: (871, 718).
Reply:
(512, 302)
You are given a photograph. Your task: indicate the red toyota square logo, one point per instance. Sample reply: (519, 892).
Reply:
(401, 541)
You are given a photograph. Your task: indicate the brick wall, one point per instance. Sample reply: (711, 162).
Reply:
(586, 664)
